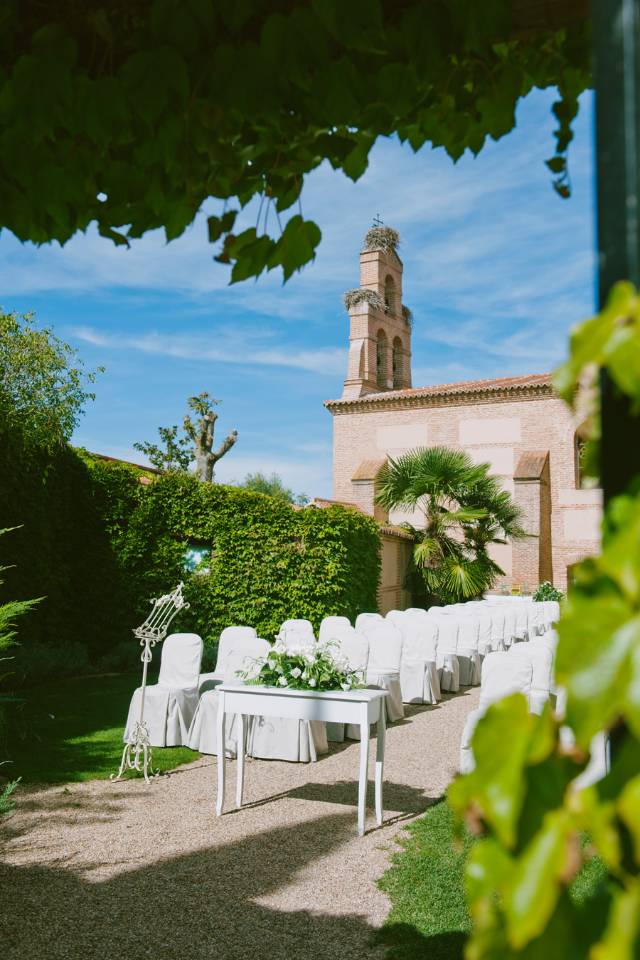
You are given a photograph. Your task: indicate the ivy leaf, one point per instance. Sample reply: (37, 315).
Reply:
(629, 809)
(534, 885)
(620, 938)
(496, 787)
(216, 226)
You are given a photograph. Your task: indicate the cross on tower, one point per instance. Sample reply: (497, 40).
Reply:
(377, 222)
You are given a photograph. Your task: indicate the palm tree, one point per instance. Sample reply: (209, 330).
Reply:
(463, 509)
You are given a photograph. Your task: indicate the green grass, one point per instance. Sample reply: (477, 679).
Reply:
(71, 730)
(428, 918)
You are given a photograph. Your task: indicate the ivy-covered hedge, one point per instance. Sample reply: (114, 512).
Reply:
(269, 561)
(62, 550)
(97, 545)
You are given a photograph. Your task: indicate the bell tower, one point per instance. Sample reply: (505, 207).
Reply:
(379, 324)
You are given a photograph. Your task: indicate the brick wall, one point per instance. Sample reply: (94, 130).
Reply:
(495, 430)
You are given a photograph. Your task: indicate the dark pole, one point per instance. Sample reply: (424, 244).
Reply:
(616, 54)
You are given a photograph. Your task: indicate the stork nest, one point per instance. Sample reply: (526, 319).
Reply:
(382, 238)
(360, 295)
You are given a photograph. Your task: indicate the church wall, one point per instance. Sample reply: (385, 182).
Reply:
(496, 431)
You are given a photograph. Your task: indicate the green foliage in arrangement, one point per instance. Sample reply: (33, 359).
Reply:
(137, 113)
(520, 796)
(460, 510)
(547, 591)
(268, 563)
(42, 381)
(310, 667)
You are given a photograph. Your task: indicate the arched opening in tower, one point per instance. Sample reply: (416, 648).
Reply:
(397, 364)
(381, 359)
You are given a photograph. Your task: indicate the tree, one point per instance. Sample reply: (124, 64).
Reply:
(273, 487)
(42, 381)
(178, 452)
(136, 113)
(464, 511)
(9, 612)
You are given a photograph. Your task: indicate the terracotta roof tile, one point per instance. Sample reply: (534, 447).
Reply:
(524, 383)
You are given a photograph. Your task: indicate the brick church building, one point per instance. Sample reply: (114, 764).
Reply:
(517, 424)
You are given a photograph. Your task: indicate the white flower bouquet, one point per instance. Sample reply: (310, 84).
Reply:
(307, 666)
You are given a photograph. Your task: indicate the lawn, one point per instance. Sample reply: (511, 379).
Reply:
(71, 730)
(428, 918)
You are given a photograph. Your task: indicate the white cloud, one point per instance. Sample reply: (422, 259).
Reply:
(221, 348)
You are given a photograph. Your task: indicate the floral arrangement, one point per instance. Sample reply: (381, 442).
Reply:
(307, 666)
(360, 295)
(546, 591)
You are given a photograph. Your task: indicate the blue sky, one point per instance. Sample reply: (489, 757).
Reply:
(496, 270)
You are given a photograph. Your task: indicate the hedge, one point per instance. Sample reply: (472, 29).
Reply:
(97, 545)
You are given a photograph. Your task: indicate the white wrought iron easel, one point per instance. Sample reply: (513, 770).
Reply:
(152, 631)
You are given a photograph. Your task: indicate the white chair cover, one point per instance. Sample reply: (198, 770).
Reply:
(303, 629)
(418, 670)
(331, 626)
(485, 631)
(447, 659)
(498, 622)
(510, 626)
(383, 668)
(238, 650)
(551, 612)
(536, 619)
(365, 618)
(502, 674)
(231, 655)
(522, 621)
(540, 656)
(280, 738)
(468, 655)
(170, 704)
(354, 648)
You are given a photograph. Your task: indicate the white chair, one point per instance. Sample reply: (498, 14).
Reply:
(280, 738)
(551, 612)
(231, 639)
(541, 658)
(447, 654)
(418, 669)
(331, 626)
(485, 632)
(522, 621)
(499, 640)
(510, 626)
(365, 618)
(536, 619)
(301, 630)
(502, 674)
(469, 658)
(383, 668)
(353, 648)
(169, 704)
(239, 649)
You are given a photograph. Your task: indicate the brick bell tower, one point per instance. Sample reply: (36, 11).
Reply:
(379, 324)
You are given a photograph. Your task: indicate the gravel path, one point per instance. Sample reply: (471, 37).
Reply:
(121, 870)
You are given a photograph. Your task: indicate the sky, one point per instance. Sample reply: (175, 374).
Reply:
(497, 268)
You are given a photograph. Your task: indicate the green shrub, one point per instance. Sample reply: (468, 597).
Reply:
(547, 591)
(97, 545)
(269, 562)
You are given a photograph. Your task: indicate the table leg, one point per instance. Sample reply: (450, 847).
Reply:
(239, 759)
(382, 725)
(364, 764)
(221, 754)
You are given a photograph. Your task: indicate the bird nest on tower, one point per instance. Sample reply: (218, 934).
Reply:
(382, 238)
(360, 295)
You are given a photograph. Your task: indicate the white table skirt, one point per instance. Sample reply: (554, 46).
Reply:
(361, 707)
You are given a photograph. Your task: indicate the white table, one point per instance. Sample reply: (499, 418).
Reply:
(361, 707)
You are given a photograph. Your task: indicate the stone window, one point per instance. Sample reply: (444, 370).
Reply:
(397, 363)
(381, 359)
(390, 295)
